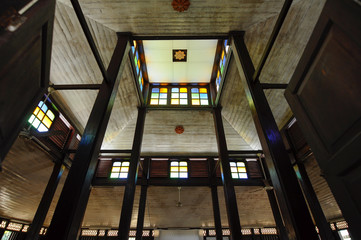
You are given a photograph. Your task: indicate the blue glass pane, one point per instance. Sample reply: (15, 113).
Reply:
(155, 90)
(224, 60)
(137, 54)
(137, 69)
(44, 108)
(163, 95)
(225, 42)
(195, 90)
(204, 95)
(40, 104)
(175, 89)
(133, 49)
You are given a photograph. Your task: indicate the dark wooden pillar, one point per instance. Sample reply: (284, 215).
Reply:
(40, 215)
(277, 215)
(324, 227)
(72, 203)
(296, 216)
(215, 202)
(142, 200)
(228, 186)
(128, 200)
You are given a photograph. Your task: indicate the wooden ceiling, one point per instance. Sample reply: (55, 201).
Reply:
(27, 168)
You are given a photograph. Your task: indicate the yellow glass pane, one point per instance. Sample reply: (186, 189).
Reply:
(174, 169)
(183, 169)
(47, 122)
(154, 102)
(218, 74)
(40, 115)
(222, 55)
(163, 90)
(241, 169)
(116, 169)
(203, 90)
(138, 64)
(135, 44)
(183, 90)
(124, 169)
(195, 102)
(174, 101)
(36, 110)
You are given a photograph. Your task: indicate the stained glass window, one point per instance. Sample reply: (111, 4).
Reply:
(238, 170)
(120, 170)
(179, 96)
(178, 169)
(222, 64)
(199, 96)
(42, 117)
(159, 96)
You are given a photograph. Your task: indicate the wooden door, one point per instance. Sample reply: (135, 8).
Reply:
(325, 96)
(25, 47)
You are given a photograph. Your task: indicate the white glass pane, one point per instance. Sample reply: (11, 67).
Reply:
(162, 101)
(182, 163)
(42, 128)
(183, 101)
(31, 119)
(174, 175)
(124, 164)
(183, 175)
(243, 175)
(232, 164)
(234, 175)
(240, 164)
(116, 164)
(204, 101)
(174, 163)
(233, 169)
(123, 175)
(114, 175)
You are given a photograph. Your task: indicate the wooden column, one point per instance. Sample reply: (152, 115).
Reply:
(215, 202)
(40, 215)
(142, 200)
(277, 215)
(296, 216)
(128, 200)
(228, 186)
(72, 203)
(324, 227)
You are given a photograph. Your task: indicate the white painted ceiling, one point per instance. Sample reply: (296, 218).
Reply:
(162, 69)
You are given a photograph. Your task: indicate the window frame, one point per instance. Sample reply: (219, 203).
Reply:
(245, 166)
(121, 161)
(50, 107)
(178, 160)
(169, 95)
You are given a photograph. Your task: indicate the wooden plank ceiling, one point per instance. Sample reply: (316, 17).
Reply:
(27, 169)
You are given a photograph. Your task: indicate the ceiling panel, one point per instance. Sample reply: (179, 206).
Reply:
(162, 69)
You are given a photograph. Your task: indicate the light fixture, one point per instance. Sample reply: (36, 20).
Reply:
(180, 5)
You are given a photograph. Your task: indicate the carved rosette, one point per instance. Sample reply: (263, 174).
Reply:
(181, 5)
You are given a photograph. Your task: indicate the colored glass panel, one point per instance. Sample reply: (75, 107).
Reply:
(50, 114)
(174, 102)
(42, 128)
(40, 115)
(155, 90)
(178, 169)
(162, 101)
(154, 102)
(36, 110)
(44, 108)
(183, 90)
(238, 170)
(203, 90)
(163, 90)
(47, 122)
(120, 170)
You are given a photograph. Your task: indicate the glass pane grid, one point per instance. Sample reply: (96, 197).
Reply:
(42, 117)
(178, 169)
(120, 170)
(238, 170)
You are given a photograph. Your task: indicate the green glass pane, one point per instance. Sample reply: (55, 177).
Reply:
(195, 95)
(155, 95)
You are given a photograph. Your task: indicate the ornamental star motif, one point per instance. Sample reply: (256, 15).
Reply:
(179, 55)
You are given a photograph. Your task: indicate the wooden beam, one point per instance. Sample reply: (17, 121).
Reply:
(228, 186)
(274, 85)
(76, 86)
(89, 37)
(297, 219)
(200, 37)
(72, 203)
(128, 200)
(272, 39)
(142, 201)
(277, 215)
(324, 228)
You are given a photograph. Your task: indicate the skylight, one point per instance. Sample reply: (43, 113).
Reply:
(193, 62)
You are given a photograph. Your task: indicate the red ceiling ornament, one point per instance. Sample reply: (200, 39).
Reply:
(180, 5)
(179, 129)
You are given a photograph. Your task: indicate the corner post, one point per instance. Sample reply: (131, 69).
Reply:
(72, 203)
(296, 216)
(228, 186)
(128, 200)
